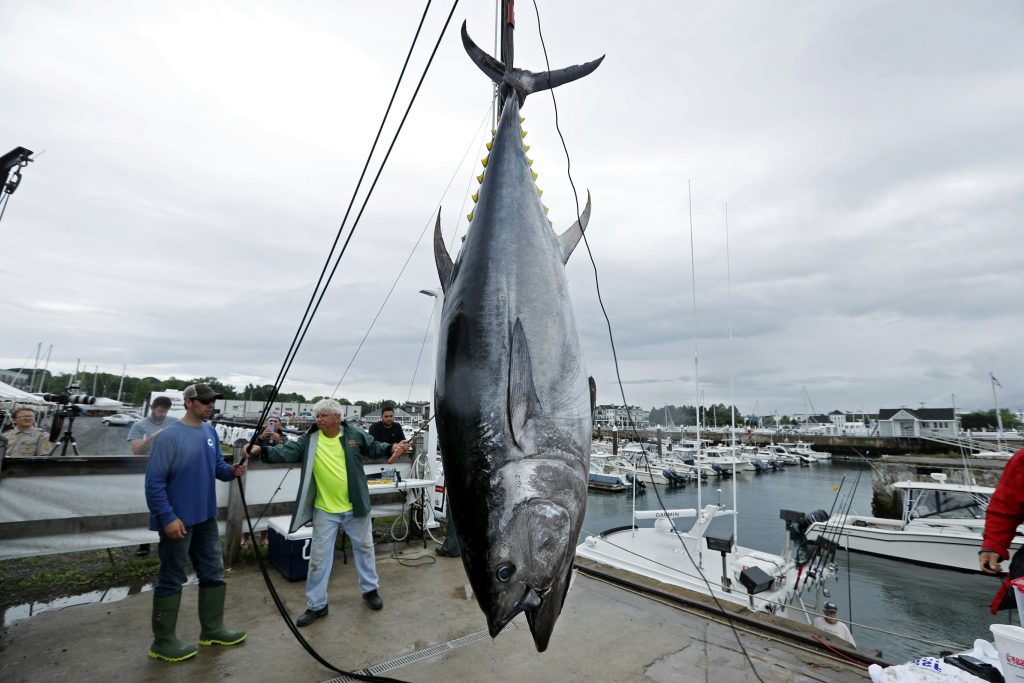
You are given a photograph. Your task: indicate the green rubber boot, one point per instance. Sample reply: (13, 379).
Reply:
(211, 618)
(166, 645)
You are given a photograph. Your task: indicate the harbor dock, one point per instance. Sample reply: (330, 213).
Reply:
(429, 630)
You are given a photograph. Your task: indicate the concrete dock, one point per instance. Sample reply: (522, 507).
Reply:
(429, 630)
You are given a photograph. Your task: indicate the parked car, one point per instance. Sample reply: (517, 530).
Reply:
(120, 419)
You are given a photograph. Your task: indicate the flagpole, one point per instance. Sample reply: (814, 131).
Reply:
(999, 418)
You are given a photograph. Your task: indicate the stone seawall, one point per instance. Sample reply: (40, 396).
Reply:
(887, 470)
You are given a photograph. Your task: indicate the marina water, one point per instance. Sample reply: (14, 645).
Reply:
(904, 610)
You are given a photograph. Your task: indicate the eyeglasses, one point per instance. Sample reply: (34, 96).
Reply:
(205, 402)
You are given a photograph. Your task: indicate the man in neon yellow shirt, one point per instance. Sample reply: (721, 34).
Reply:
(333, 494)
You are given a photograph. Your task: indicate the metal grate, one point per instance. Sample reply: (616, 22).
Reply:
(432, 651)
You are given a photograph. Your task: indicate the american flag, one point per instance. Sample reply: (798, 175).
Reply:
(995, 382)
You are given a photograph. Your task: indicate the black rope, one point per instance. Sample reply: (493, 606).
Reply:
(318, 292)
(611, 339)
(405, 265)
(282, 608)
(311, 309)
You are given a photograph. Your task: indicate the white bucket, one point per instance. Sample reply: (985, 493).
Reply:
(1018, 592)
(1010, 643)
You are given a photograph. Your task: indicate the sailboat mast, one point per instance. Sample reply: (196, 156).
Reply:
(732, 382)
(696, 376)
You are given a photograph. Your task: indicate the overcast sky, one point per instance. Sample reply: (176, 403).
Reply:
(195, 160)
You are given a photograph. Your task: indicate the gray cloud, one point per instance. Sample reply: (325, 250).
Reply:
(199, 160)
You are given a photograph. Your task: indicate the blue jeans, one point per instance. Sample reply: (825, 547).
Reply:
(321, 553)
(202, 545)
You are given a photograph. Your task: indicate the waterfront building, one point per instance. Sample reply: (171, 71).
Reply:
(920, 422)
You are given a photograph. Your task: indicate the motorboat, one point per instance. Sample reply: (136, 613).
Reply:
(941, 525)
(707, 561)
(784, 455)
(803, 448)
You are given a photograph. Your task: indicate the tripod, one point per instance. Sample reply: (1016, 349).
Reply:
(66, 439)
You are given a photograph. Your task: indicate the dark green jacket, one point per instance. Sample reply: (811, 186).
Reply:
(357, 444)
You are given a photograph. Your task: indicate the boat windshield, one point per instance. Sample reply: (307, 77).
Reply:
(944, 504)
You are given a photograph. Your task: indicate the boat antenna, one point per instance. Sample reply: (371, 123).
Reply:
(999, 418)
(732, 377)
(968, 476)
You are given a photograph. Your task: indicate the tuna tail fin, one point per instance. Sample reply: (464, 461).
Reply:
(522, 81)
(571, 237)
(441, 257)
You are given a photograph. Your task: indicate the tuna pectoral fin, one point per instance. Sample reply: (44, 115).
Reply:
(523, 404)
(522, 81)
(571, 237)
(441, 257)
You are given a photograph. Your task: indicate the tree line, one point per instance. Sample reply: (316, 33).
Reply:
(136, 390)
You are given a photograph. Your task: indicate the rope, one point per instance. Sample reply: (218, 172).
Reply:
(611, 338)
(311, 308)
(310, 312)
(407, 260)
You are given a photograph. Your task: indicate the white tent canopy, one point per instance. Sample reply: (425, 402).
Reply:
(9, 394)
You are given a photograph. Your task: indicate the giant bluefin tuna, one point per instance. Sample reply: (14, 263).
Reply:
(512, 403)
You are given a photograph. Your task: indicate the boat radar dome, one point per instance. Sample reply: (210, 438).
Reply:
(939, 477)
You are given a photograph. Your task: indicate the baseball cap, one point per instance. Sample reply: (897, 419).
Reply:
(830, 607)
(201, 391)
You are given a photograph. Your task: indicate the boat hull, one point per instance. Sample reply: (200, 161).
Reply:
(947, 546)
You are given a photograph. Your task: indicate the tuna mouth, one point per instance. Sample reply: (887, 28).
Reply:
(531, 600)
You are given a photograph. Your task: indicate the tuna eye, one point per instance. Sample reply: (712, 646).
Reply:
(505, 572)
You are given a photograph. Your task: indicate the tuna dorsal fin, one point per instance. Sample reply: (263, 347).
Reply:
(522, 81)
(593, 395)
(441, 257)
(523, 404)
(571, 237)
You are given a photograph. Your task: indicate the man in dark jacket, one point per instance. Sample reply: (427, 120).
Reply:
(387, 430)
(333, 494)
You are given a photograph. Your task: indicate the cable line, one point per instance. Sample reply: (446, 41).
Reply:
(611, 340)
(311, 310)
(312, 307)
(384, 303)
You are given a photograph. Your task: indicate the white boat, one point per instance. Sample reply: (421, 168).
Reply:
(784, 455)
(941, 525)
(804, 448)
(706, 563)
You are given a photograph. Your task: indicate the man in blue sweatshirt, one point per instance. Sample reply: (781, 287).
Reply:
(182, 499)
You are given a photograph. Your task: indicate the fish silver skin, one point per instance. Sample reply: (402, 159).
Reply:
(512, 400)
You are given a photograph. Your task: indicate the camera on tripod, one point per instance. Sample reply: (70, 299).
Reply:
(69, 405)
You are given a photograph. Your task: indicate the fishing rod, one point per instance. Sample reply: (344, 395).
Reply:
(810, 561)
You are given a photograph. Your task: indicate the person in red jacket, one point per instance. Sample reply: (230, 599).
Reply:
(1004, 514)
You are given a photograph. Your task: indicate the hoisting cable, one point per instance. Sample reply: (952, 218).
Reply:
(307, 315)
(611, 340)
(311, 310)
(384, 303)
